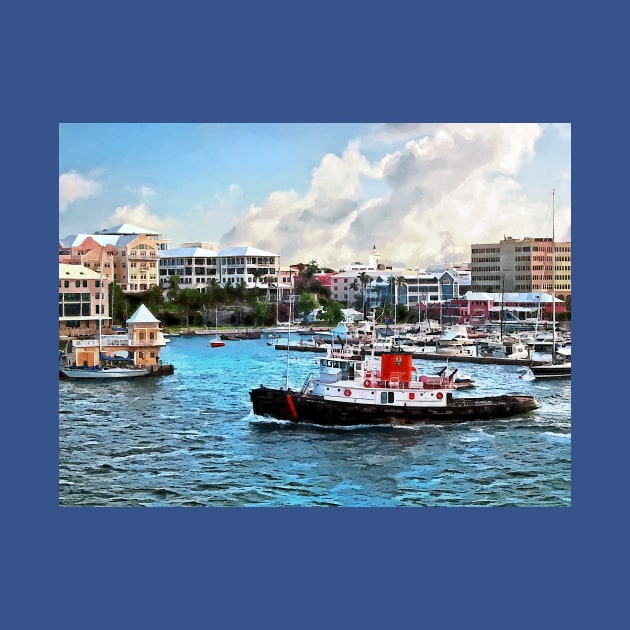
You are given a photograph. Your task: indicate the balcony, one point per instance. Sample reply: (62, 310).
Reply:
(120, 341)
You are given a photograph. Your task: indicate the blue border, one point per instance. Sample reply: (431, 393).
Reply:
(318, 62)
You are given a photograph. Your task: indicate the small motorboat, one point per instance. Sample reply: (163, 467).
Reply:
(217, 342)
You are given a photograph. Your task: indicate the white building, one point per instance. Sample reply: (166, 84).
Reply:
(198, 267)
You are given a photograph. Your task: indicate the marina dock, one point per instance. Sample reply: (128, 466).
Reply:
(435, 356)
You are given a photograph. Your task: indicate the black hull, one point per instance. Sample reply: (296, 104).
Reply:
(551, 371)
(297, 407)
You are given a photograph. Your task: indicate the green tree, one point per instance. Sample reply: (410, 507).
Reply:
(262, 313)
(257, 274)
(319, 289)
(172, 293)
(118, 305)
(190, 302)
(331, 313)
(308, 302)
(154, 299)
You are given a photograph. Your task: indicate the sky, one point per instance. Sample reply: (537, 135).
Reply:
(422, 193)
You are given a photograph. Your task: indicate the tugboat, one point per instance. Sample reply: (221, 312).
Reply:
(353, 389)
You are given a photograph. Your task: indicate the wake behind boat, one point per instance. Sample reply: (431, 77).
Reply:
(350, 389)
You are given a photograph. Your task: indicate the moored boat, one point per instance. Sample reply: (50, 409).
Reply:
(457, 380)
(552, 370)
(350, 390)
(102, 372)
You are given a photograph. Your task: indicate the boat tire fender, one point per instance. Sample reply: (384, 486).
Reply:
(367, 383)
(347, 392)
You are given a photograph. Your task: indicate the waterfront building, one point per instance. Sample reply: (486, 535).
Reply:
(83, 299)
(285, 286)
(136, 258)
(476, 307)
(138, 345)
(197, 267)
(139, 259)
(346, 286)
(522, 265)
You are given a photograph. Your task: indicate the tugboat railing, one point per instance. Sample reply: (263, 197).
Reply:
(307, 382)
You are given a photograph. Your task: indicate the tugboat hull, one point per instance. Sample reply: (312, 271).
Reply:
(295, 406)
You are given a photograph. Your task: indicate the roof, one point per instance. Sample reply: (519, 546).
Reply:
(117, 240)
(187, 252)
(125, 228)
(143, 316)
(74, 240)
(76, 272)
(351, 313)
(534, 297)
(244, 251)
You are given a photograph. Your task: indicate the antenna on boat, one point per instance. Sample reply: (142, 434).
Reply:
(289, 340)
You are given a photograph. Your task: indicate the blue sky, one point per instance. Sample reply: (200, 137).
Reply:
(422, 193)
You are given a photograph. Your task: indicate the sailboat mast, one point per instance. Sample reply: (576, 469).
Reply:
(553, 273)
(100, 312)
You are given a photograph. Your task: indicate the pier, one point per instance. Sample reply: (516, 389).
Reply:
(434, 356)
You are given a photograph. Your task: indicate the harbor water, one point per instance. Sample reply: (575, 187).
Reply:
(191, 439)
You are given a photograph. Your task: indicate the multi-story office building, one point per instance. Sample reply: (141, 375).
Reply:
(522, 265)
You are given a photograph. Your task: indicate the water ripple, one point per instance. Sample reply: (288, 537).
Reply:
(191, 440)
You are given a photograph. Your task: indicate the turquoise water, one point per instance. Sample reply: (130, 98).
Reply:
(190, 439)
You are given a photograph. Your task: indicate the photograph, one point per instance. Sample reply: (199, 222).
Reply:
(315, 275)
(315, 314)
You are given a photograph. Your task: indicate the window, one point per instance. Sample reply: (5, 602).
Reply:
(72, 310)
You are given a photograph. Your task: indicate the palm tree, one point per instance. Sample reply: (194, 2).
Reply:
(173, 288)
(258, 274)
(365, 280)
(398, 280)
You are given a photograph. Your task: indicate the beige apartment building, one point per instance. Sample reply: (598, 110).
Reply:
(522, 266)
(131, 257)
(83, 299)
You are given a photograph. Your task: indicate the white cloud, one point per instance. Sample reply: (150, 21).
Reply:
(141, 216)
(146, 191)
(76, 187)
(448, 186)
